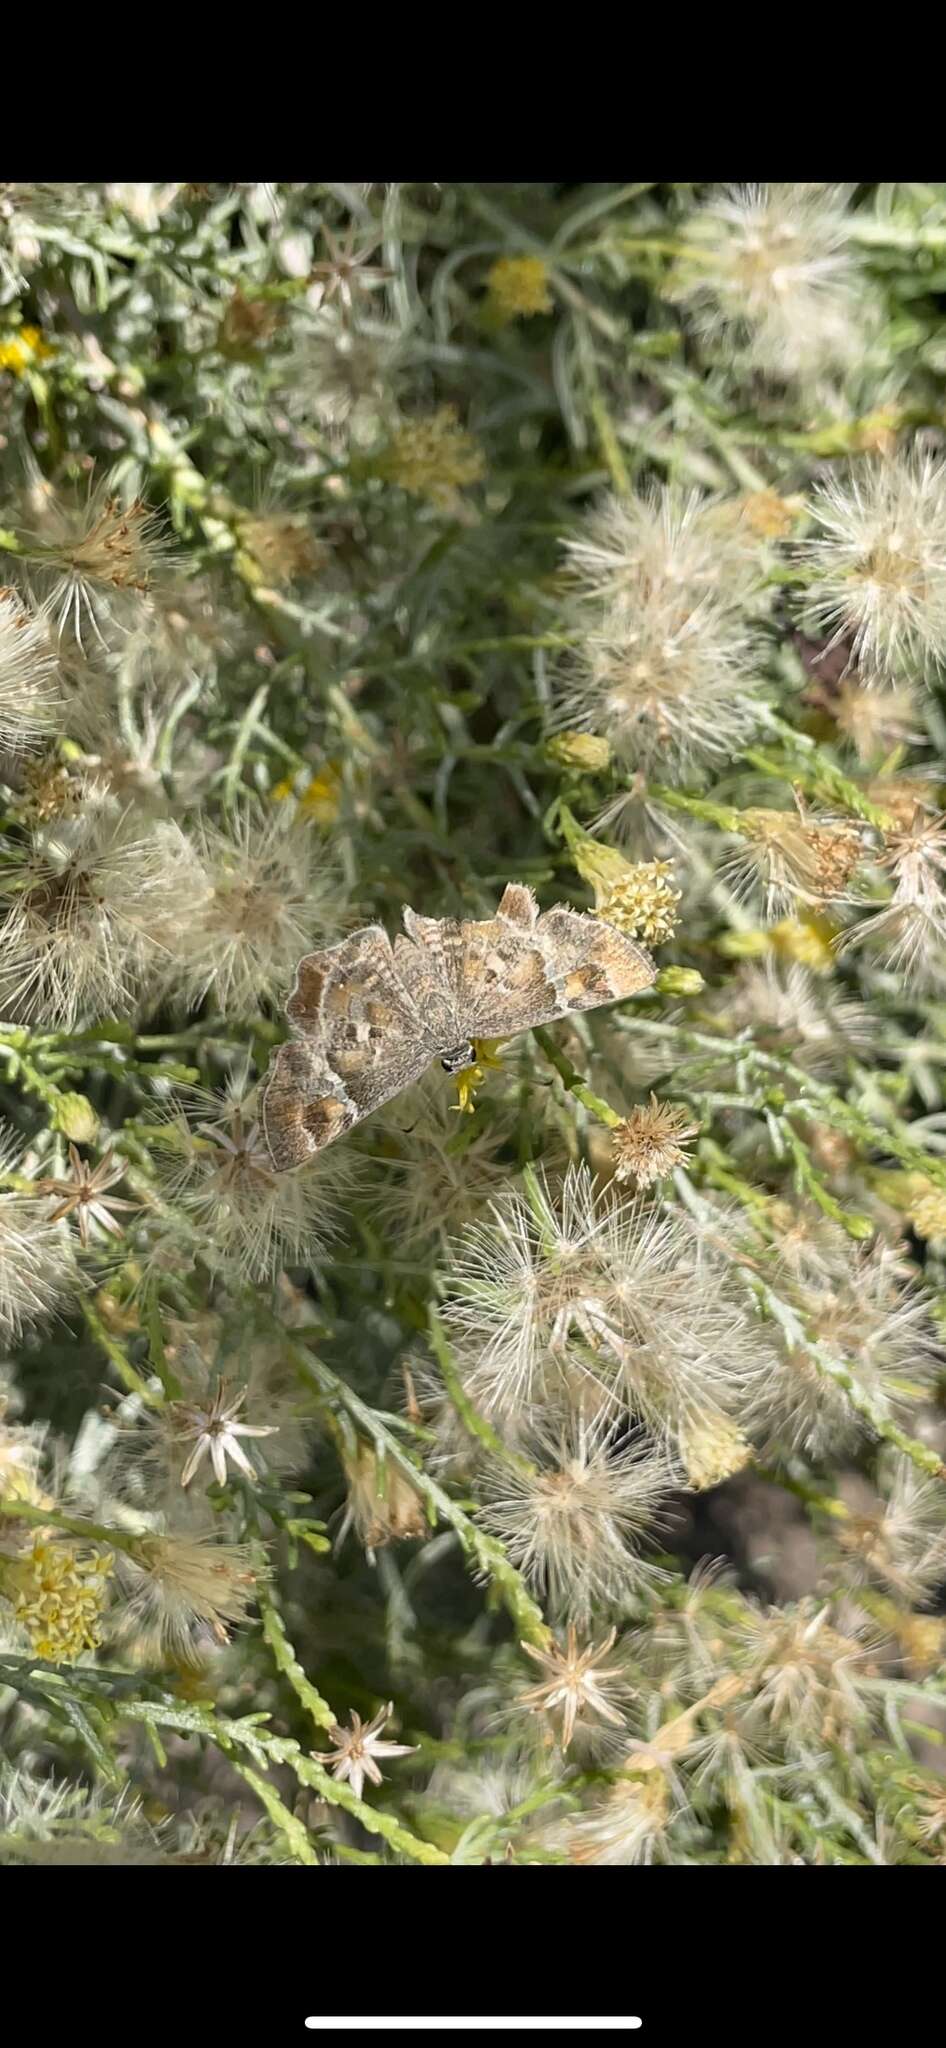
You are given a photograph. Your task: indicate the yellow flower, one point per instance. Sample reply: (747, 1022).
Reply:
(638, 897)
(713, 1449)
(928, 1212)
(59, 1597)
(806, 940)
(770, 516)
(471, 1078)
(321, 799)
(643, 903)
(586, 751)
(518, 287)
(432, 457)
(21, 350)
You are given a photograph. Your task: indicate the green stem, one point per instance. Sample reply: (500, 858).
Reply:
(286, 1662)
(473, 1422)
(574, 1082)
(486, 1552)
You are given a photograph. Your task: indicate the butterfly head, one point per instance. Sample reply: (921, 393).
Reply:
(458, 1057)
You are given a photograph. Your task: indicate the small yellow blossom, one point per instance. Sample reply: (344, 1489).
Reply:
(770, 516)
(928, 1212)
(518, 287)
(433, 457)
(321, 799)
(651, 1142)
(586, 751)
(713, 1449)
(471, 1078)
(806, 940)
(638, 897)
(21, 350)
(643, 904)
(59, 1597)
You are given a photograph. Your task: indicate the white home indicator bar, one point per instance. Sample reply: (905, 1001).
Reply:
(468, 2023)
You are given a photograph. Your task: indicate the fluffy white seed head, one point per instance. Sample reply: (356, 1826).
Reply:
(29, 688)
(214, 1169)
(87, 909)
(602, 1306)
(867, 1319)
(878, 562)
(265, 896)
(37, 1267)
(575, 1523)
(768, 271)
(664, 664)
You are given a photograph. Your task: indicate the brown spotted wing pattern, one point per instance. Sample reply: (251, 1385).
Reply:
(368, 1017)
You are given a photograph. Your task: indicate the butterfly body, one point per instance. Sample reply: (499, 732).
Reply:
(367, 1017)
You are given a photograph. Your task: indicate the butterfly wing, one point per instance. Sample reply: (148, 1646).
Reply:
(520, 969)
(358, 1040)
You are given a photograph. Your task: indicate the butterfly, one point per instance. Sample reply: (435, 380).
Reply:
(368, 1017)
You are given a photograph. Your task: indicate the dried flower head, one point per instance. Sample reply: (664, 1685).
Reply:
(577, 1683)
(908, 934)
(96, 556)
(347, 269)
(213, 1166)
(216, 1430)
(899, 1544)
(382, 1506)
(357, 1749)
(651, 1141)
(86, 1195)
(794, 858)
(878, 565)
(180, 1596)
(36, 1259)
(30, 697)
(806, 1673)
(875, 721)
(629, 1827)
(859, 1319)
(770, 271)
(790, 1012)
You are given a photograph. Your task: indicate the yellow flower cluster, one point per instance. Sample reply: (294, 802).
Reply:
(518, 287)
(21, 350)
(433, 457)
(643, 902)
(585, 751)
(59, 1598)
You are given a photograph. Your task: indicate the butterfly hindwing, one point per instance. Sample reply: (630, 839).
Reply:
(360, 1039)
